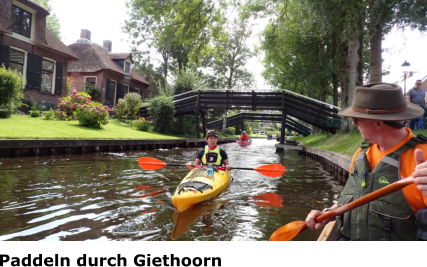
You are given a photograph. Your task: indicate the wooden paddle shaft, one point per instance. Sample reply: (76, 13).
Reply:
(366, 199)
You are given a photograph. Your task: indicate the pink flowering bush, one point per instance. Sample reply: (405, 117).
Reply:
(69, 104)
(92, 115)
(142, 124)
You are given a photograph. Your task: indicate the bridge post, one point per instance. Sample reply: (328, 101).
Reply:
(282, 132)
(196, 111)
(204, 123)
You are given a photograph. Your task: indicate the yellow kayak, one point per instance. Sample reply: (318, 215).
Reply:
(199, 185)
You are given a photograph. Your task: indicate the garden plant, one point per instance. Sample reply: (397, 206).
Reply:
(11, 91)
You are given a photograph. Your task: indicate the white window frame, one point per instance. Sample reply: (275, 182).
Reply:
(24, 70)
(96, 79)
(33, 23)
(130, 65)
(115, 92)
(53, 78)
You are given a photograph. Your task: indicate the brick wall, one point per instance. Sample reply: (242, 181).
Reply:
(42, 52)
(101, 81)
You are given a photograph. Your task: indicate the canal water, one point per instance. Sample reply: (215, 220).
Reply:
(107, 196)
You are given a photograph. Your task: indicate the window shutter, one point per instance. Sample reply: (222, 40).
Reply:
(119, 93)
(4, 55)
(59, 78)
(107, 93)
(131, 89)
(142, 94)
(34, 72)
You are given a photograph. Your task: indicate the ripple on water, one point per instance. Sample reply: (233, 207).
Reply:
(106, 196)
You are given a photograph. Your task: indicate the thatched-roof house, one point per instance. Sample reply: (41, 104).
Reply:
(29, 47)
(111, 72)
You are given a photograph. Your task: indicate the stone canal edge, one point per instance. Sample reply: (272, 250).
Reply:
(39, 147)
(336, 163)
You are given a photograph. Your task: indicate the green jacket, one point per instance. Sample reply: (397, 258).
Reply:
(388, 218)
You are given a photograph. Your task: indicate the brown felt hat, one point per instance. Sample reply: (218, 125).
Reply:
(381, 101)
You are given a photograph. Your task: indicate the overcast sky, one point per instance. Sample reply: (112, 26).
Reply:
(105, 18)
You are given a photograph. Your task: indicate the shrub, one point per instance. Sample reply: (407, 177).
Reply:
(35, 113)
(70, 85)
(61, 115)
(142, 124)
(161, 108)
(70, 103)
(49, 115)
(35, 105)
(120, 109)
(187, 80)
(133, 104)
(92, 115)
(228, 131)
(94, 91)
(11, 91)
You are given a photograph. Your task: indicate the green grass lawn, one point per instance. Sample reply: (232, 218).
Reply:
(26, 127)
(346, 143)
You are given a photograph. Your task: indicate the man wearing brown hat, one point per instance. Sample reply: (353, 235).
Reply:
(389, 153)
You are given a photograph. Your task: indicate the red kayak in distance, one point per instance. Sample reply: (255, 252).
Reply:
(243, 142)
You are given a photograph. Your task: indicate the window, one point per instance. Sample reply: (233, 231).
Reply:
(125, 89)
(47, 76)
(127, 67)
(112, 96)
(21, 21)
(137, 91)
(91, 80)
(17, 60)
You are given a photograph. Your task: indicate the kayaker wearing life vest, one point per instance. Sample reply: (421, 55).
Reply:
(245, 137)
(212, 154)
(390, 152)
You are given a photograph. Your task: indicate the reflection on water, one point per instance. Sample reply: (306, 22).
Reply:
(108, 197)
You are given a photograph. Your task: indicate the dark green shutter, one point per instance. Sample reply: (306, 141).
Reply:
(119, 92)
(131, 89)
(142, 94)
(4, 55)
(107, 93)
(59, 78)
(34, 72)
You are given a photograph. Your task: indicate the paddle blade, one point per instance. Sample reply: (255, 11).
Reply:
(150, 164)
(271, 170)
(288, 231)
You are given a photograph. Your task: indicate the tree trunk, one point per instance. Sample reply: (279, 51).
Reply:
(375, 36)
(349, 61)
(334, 42)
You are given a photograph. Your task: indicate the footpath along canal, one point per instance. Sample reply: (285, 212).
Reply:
(107, 196)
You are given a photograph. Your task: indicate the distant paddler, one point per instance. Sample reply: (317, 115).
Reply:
(245, 137)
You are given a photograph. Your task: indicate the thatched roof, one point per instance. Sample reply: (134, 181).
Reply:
(121, 56)
(94, 58)
(134, 75)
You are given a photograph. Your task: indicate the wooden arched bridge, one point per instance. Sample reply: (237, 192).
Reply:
(261, 117)
(308, 110)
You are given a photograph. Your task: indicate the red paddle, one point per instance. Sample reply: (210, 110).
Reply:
(271, 170)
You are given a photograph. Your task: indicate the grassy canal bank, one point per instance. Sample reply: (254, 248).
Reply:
(346, 143)
(26, 127)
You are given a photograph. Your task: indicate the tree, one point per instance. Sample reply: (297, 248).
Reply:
(52, 21)
(180, 31)
(382, 16)
(230, 54)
